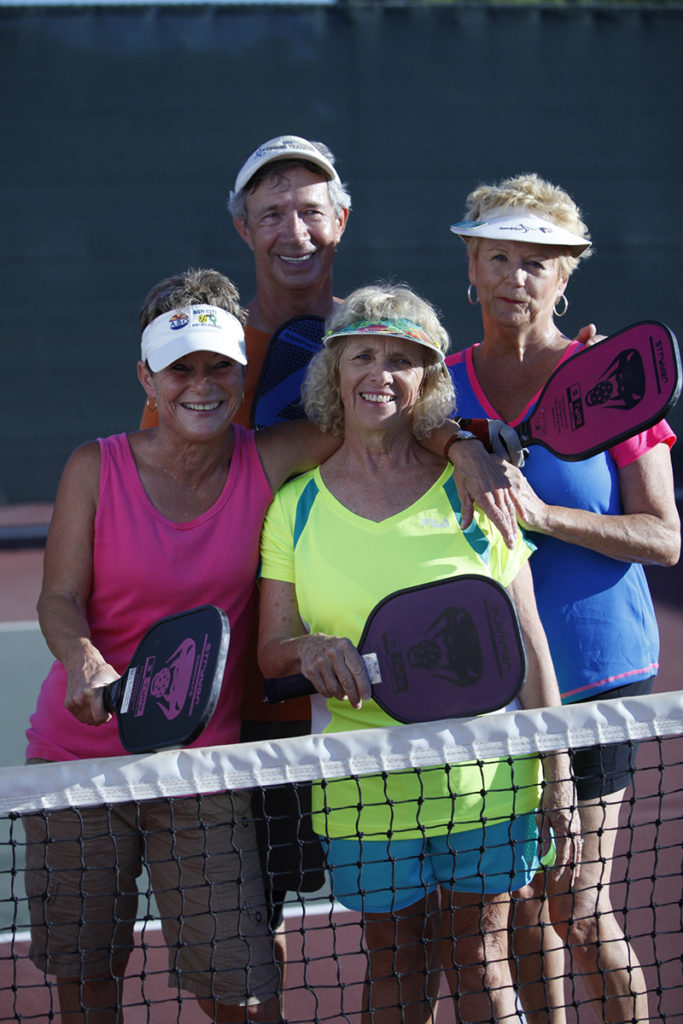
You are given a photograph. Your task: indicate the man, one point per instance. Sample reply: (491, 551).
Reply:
(291, 209)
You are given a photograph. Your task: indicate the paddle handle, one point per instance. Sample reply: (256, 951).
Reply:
(479, 428)
(111, 696)
(524, 433)
(277, 690)
(500, 438)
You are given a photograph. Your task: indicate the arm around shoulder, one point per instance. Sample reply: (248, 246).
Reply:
(287, 449)
(479, 477)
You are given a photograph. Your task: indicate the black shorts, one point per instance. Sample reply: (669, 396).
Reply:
(292, 857)
(608, 767)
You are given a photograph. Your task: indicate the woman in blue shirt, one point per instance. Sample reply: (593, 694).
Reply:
(594, 523)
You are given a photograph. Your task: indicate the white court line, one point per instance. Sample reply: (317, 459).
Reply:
(316, 908)
(20, 627)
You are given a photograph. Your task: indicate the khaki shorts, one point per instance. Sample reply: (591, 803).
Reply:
(205, 873)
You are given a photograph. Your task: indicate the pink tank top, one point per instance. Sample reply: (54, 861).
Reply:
(145, 567)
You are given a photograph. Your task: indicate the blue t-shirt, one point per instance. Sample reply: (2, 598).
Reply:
(597, 612)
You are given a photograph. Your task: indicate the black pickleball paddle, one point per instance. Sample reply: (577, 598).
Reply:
(171, 686)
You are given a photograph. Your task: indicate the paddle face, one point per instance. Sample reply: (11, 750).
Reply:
(606, 393)
(278, 393)
(447, 649)
(171, 686)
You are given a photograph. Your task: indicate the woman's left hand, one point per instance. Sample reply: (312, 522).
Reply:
(647, 530)
(481, 478)
(558, 797)
(559, 806)
(531, 511)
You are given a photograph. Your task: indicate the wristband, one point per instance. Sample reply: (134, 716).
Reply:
(459, 435)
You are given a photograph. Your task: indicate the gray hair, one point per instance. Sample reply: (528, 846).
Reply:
(192, 287)
(320, 391)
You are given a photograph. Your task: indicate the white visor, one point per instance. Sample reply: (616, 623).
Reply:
(284, 147)
(192, 329)
(521, 226)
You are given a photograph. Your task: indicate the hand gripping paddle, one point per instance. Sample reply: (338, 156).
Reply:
(170, 688)
(603, 394)
(278, 393)
(441, 650)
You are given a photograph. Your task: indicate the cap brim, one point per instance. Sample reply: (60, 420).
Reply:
(522, 228)
(176, 348)
(289, 147)
(359, 329)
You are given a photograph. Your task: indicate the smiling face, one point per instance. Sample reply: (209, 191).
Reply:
(379, 381)
(518, 283)
(197, 394)
(292, 229)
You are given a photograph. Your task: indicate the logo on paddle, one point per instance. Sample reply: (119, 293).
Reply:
(449, 649)
(622, 385)
(170, 686)
(177, 685)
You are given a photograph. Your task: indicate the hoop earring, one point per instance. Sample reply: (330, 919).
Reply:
(472, 301)
(151, 403)
(566, 305)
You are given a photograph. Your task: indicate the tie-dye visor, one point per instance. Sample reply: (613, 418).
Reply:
(398, 327)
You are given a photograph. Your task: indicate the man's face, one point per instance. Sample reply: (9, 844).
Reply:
(292, 229)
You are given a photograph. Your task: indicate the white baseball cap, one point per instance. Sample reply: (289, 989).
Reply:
(520, 225)
(284, 147)
(172, 335)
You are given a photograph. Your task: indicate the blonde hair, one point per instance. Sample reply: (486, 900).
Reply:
(320, 392)
(533, 193)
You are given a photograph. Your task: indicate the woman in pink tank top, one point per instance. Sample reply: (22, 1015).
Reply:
(146, 525)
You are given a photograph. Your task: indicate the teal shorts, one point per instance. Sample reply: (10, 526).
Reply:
(378, 876)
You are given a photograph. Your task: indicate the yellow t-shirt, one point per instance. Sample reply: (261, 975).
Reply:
(342, 565)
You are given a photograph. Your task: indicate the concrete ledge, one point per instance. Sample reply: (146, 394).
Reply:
(24, 526)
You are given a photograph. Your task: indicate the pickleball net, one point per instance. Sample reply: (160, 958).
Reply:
(326, 959)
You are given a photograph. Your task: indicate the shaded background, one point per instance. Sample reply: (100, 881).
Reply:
(123, 129)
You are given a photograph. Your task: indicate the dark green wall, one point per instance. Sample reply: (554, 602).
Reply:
(122, 130)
